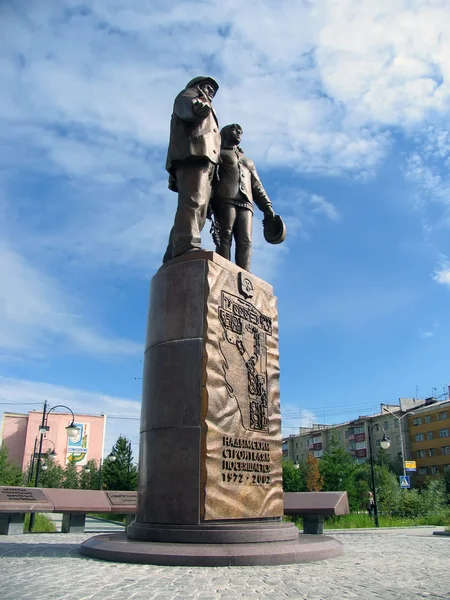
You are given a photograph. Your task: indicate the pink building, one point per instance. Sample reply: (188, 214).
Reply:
(20, 433)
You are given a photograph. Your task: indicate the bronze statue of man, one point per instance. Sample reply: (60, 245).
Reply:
(192, 159)
(233, 196)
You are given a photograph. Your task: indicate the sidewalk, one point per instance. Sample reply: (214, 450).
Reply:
(374, 567)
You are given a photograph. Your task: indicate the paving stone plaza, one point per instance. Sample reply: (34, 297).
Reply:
(381, 565)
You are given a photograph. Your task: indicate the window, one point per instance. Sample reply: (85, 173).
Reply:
(443, 433)
(428, 419)
(442, 416)
(420, 437)
(423, 470)
(446, 450)
(417, 421)
(430, 435)
(434, 470)
(360, 445)
(446, 468)
(359, 430)
(360, 460)
(386, 424)
(318, 453)
(432, 452)
(317, 439)
(421, 454)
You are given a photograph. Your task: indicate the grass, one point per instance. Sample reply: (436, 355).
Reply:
(109, 517)
(42, 524)
(363, 520)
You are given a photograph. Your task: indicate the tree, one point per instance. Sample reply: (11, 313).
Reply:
(337, 467)
(53, 476)
(383, 459)
(71, 479)
(121, 473)
(447, 484)
(388, 490)
(314, 481)
(10, 472)
(293, 477)
(89, 480)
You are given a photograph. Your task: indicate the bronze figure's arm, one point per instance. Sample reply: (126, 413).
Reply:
(260, 196)
(192, 105)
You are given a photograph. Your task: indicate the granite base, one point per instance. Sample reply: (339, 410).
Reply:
(120, 548)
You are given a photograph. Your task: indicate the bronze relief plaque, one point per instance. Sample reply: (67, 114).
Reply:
(22, 494)
(242, 477)
(117, 498)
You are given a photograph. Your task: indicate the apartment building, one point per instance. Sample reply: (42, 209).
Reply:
(392, 420)
(429, 434)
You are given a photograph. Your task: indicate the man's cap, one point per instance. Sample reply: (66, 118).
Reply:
(274, 229)
(202, 79)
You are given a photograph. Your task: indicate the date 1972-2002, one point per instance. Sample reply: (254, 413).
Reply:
(250, 479)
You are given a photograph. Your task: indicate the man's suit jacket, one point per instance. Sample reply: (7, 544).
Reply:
(191, 136)
(239, 183)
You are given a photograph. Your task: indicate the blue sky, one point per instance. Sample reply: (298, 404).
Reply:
(345, 109)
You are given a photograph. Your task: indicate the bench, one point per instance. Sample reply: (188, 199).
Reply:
(313, 507)
(15, 502)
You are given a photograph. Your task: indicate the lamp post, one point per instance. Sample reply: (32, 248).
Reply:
(385, 443)
(112, 458)
(48, 454)
(71, 430)
(128, 465)
(401, 433)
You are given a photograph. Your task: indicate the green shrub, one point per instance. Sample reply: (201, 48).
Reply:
(42, 524)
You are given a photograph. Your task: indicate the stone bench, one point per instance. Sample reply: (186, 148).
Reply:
(15, 502)
(313, 507)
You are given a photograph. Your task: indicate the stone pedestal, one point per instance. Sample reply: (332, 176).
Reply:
(210, 451)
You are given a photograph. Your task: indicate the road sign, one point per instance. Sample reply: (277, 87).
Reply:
(410, 465)
(404, 481)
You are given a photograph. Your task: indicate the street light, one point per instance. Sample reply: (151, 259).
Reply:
(111, 457)
(71, 430)
(34, 455)
(385, 443)
(385, 408)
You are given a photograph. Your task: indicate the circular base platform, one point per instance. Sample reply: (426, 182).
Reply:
(215, 533)
(119, 548)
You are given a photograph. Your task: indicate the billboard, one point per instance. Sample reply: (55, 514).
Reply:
(77, 445)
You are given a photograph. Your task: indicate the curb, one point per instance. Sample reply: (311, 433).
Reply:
(382, 529)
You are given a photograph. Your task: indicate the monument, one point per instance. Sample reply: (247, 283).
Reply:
(237, 189)
(210, 477)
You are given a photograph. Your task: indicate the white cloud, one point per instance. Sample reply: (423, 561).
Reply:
(21, 392)
(310, 84)
(87, 94)
(35, 312)
(442, 275)
(426, 334)
(321, 206)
